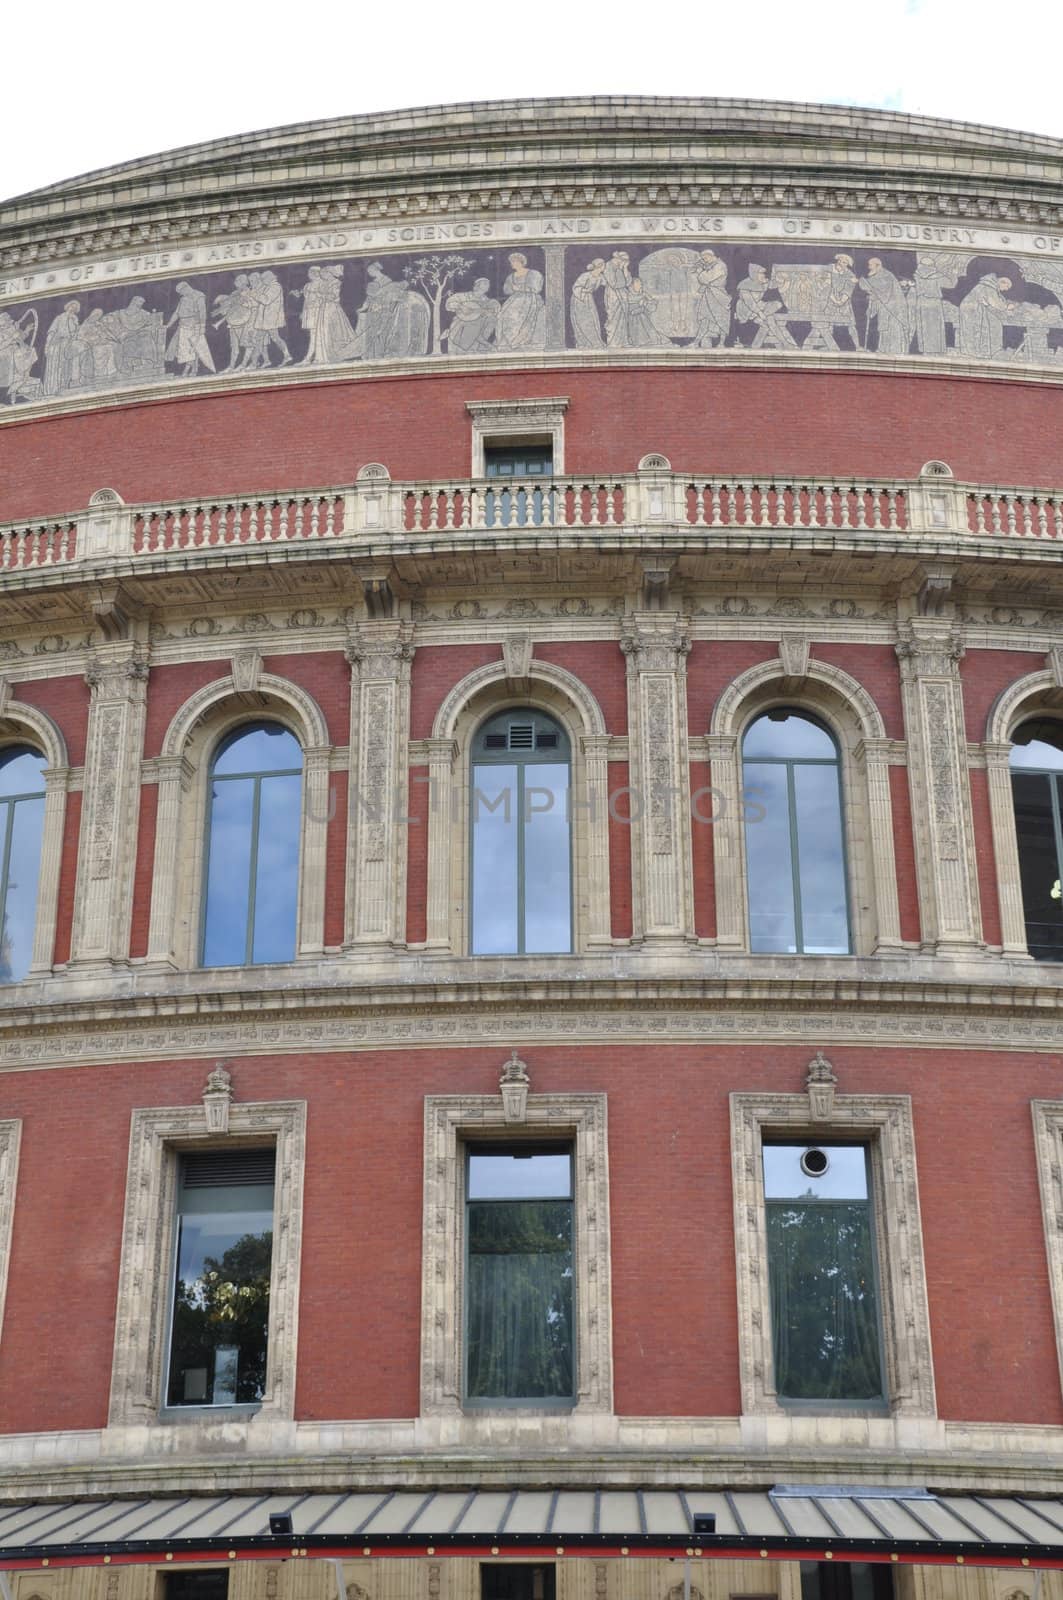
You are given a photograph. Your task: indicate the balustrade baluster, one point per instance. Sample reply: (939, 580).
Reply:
(893, 508)
(611, 492)
(861, 506)
(764, 519)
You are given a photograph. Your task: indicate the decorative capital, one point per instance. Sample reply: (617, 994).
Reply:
(655, 643)
(217, 1098)
(928, 654)
(116, 677)
(821, 1083)
(513, 1086)
(380, 651)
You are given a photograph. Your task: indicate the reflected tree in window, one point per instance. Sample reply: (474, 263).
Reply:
(252, 871)
(521, 893)
(821, 1262)
(795, 852)
(1037, 795)
(21, 826)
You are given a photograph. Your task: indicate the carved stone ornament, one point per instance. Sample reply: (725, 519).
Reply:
(517, 656)
(793, 653)
(374, 472)
(822, 1083)
(935, 469)
(513, 1086)
(247, 669)
(106, 497)
(217, 1098)
(655, 463)
(5, 695)
(1053, 661)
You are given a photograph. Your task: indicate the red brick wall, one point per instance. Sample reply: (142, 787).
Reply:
(168, 689)
(712, 666)
(904, 854)
(984, 675)
(149, 810)
(702, 807)
(875, 667)
(986, 865)
(674, 1317)
(68, 877)
(436, 669)
(66, 701)
(619, 777)
(417, 856)
(601, 668)
(308, 436)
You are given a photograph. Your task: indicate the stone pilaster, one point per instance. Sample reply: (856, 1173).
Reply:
(873, 755)
(56, 784)
(117, 675)
(380, 654)
(728, 858)
(929, 655)
(315, 845)
(656, 646)
(1005, 850)
(174, 774)
(592, 813)
(443, 817)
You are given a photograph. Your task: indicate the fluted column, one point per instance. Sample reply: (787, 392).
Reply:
(1005, 850)
(380, 654)
(929, 655)
(56, 783)
(656, 647)
(315, 848)
(874, 754)
(117, 676)
(728, 859)
(591, 813)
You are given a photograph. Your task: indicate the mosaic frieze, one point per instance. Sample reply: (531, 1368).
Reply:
(867, 302)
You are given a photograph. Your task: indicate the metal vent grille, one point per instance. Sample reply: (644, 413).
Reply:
(215, 1169)
(522, 736)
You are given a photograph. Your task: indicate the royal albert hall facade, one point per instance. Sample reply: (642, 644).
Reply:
(531, 826)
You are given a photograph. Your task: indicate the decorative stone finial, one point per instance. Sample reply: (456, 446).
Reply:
(217, 1098)
(513, 1086)
(822, 1081)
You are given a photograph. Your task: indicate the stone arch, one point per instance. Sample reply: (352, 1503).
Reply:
(494, 675)
(860, 732)
(561, 694)
(22, 723)
(1020, 699)
(309, 722)
(181, 813)
(745, 694)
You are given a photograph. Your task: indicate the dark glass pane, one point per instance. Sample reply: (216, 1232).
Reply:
(519, 1300)
(260, 747)
(1039, 863)
(772, 923)
(196, 1585)
(277, 868)
(21, 827)
(517, 1580)
(221, 1297)
(790, 735)
(21, 770)
(495, 806)
(512, 1175)
(547, 867)
(823, 1300)
(228, 873)
(821, 860)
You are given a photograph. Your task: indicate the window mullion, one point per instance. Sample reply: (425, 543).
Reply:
(795, 861)
(521, 932)
(5, 867)
(1057, 824)
(252, 885)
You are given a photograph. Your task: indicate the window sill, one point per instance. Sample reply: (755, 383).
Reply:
(175, 1415)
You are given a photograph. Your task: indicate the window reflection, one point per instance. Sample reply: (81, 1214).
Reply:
(252, 874)
(1037, 794)
(521, 890)
(21, 828)
(795, 856)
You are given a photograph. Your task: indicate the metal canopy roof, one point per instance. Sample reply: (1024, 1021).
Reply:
(857, 1524)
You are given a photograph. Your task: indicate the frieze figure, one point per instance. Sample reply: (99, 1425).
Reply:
(768, 316)
(475, 320)
(983, 313)
(713, 309)
(18, 355)
(235, 311)
(62, 351)
(617, 277)
(522, 319)
(267, 317)
(427, 282)
(583, 307)
(642, 331)
(188, 345)
(888, 306)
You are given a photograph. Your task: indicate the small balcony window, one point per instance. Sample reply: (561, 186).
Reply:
(1037, 794)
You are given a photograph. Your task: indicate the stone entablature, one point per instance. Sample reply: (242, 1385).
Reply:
(495, 292)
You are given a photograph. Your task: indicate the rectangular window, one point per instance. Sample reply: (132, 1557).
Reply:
(823, 1275)
(517, 1580)
(224, 1251)
(846, 1580)
(195, 1585)
(519, 1274)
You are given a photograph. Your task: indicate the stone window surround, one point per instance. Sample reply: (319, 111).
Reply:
(453, 1121)
(10, 1140)
(517, 421)
(480, 694)
(884, 1123)
(1048, 1142)
(864, 750)
(24, 724)
(181, 771)
(157, 1135)
(1039, 693)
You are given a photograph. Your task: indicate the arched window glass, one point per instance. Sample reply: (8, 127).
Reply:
(1037, 792)
(521, 848)
(252, 875)
(21, 826)
(795, 853)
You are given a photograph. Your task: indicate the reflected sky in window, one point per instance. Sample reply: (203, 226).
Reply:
(21, 830)
(521, 858)
(844, 1179)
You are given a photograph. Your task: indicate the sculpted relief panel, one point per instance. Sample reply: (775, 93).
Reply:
(868, 300)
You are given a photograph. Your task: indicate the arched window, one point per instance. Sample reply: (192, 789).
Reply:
(252, 873)
(1037, 793)
(21, 827)
(795, 853)
(521, 892)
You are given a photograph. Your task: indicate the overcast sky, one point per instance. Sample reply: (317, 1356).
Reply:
(115, 82)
